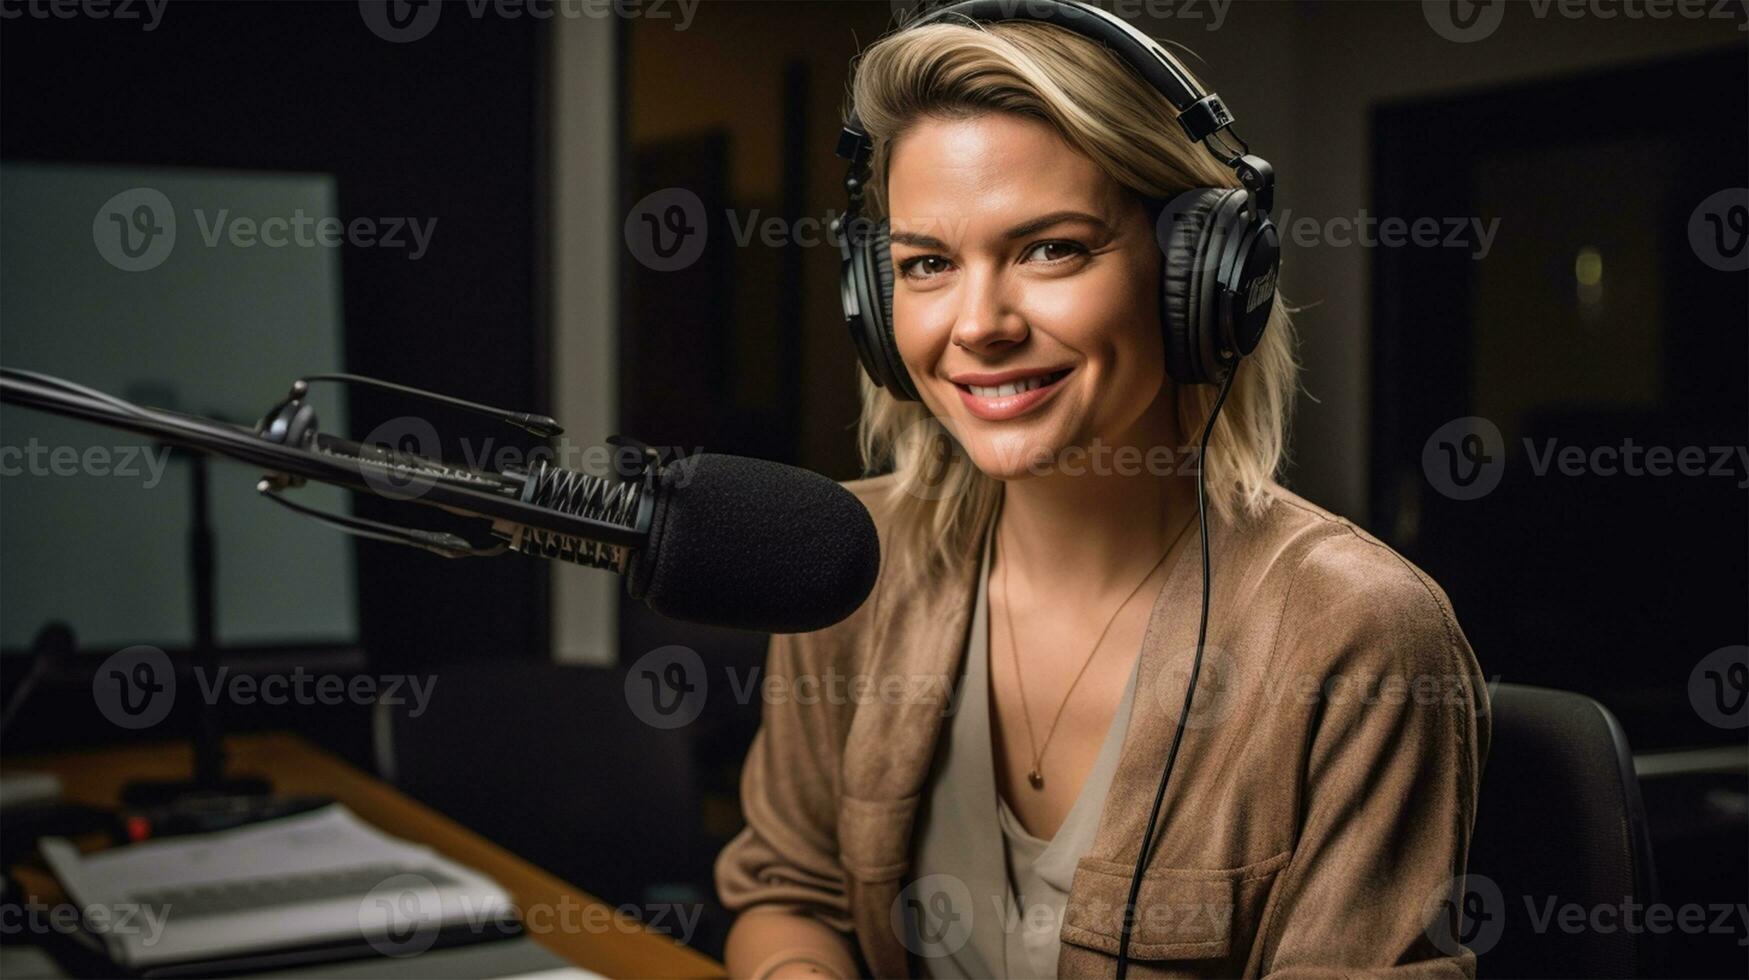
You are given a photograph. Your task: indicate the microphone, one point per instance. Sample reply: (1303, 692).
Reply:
(729, 541)
(713, 539)
(748, 543)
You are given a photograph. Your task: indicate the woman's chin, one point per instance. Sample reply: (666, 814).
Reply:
(1008, 460)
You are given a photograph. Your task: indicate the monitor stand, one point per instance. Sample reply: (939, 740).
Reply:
(209, 779)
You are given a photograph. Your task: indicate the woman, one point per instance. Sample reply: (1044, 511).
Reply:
(966, 791)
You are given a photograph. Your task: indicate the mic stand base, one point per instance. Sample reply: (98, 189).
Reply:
(157, 794)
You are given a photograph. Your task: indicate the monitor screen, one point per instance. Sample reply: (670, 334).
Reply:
(198, 291)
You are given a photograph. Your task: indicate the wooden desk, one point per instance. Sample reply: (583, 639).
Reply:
(598, 939)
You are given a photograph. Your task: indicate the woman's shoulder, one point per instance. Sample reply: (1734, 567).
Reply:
(1344, 585)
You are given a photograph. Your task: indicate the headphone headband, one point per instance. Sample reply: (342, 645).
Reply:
(1202, 114)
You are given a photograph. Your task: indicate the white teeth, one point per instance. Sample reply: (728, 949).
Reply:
(1012, 388)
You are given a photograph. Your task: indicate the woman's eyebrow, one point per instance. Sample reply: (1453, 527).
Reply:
(1022, 230)
(1036, 225)
(917, 240)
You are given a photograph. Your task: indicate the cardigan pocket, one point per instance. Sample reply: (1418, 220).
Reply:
(1204, 914)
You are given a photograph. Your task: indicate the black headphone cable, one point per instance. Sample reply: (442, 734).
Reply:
(1129, 909)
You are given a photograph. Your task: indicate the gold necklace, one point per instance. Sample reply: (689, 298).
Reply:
(1034, 776)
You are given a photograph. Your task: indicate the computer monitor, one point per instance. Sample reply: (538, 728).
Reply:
(205, 292)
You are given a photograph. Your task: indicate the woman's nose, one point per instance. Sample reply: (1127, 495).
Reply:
(987, 318)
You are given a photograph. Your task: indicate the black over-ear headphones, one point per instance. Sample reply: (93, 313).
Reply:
(1220, 251)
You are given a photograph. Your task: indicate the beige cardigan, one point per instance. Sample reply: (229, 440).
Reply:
(1319, 809)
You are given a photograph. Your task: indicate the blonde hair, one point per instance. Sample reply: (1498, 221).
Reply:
(940, 502)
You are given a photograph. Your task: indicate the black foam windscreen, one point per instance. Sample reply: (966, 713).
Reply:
(755, 545)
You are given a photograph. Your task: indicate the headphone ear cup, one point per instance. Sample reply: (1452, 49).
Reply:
(880, 256)
(878, 266)
(1183, 232)
(866, 289)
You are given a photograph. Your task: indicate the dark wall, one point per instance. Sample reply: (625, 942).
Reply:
(443, 128)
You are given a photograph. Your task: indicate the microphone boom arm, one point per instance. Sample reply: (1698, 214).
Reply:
(294, 453)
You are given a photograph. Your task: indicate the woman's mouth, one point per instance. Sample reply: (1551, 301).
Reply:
(998, 398)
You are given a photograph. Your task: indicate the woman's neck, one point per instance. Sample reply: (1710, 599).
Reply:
(1100, 518)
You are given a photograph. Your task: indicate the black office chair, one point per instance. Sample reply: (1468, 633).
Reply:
(1559, 819)
(550, 762)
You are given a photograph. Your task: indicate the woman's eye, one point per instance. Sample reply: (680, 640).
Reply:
(923, 267)
(1053, 251)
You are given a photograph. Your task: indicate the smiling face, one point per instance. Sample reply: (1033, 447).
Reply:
(1026, 293)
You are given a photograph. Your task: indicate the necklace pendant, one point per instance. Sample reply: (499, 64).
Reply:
(1037, 781)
